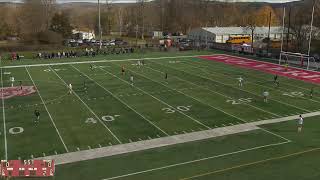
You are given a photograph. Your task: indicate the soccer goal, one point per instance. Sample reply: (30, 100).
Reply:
(298, 60)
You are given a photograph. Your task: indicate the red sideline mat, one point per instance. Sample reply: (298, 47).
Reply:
(294, 73)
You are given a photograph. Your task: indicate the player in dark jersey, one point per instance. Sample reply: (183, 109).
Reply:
(20, 85)
(166, 76)
(37, 114)
(275, 80)
(123, 71)
(311, 93)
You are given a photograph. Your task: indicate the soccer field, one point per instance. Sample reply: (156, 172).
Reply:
(106, 109)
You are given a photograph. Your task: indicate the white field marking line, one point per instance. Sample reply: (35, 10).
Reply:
(278, 89)
(242, 89)
(200, 123)
(218, 109)
(197, 160)
(4, 121)
(279, 136)
(215, 92)
(92, 154)
(265, 62)
(260, 75)
(100, 61)
(122, 102)
(87, 106)
(45, 106)
(220, 74)
(252, 82)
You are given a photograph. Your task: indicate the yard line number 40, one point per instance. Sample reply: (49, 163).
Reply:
(107, 118)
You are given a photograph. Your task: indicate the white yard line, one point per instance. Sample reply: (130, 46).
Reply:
(98, 61)
(259, 76)
(251, 82)
(154, 125)
(281, 102)
(45, 106)
(148, 144)
(87, 107)
(213, 107)
(197, 160)
(198, 122)
(279, 136)
(215, 92)
(4, 120)
(171, 140)
(218, 109)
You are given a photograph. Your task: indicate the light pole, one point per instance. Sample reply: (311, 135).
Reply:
(100, 32)
(282, 34)
(311, 29)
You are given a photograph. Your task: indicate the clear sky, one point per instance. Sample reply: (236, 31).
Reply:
(62, 1)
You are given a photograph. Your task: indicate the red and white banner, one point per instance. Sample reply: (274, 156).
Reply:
(291, 72)
(9, 92)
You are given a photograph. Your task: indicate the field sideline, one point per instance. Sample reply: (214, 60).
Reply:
(105, 110)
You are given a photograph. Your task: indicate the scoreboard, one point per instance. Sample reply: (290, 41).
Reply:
(27, 168)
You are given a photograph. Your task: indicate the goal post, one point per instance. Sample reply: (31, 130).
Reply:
(298, 60)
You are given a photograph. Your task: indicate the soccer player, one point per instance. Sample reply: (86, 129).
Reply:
(123, 71)
(275, 80)
(166, 76)
(37, 114)
(240, 81)
(91, 67)
(311, 93)
(20, 85)
(12, 80)
(131, 80)
(265, 96)
(300, 123)
(286, 66)
(70, 88)
(139, 63)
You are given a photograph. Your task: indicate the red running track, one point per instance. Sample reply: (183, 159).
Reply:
(290, 72)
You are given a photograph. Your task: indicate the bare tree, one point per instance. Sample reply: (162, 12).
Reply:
(250, 24)
(141, 14)
(49, 9)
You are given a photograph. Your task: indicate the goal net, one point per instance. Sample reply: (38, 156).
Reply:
(298, 60)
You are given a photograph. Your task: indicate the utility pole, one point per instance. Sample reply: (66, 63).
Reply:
(207, 35)
(137, 30)
(311, 29)
(282, 34)
(100, 32)
(288, 32)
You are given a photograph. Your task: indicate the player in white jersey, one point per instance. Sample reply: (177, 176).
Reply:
(300, 123)
(265, 96)
(240, 81)
(70, 88)
(12, 80)
(131, 80)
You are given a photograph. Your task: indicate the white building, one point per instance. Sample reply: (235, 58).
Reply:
(83, 34)
(222, 34)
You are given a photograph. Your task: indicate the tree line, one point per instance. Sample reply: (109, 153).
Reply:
(45, 21)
